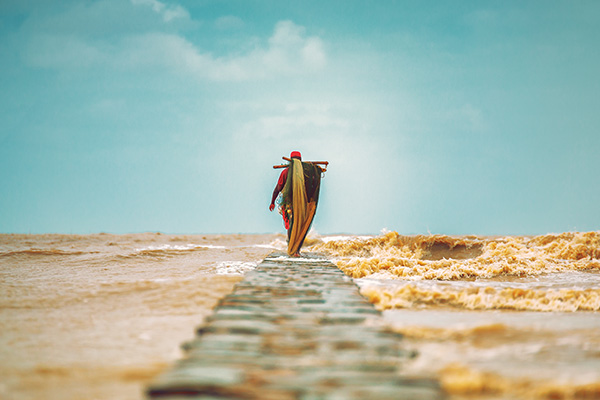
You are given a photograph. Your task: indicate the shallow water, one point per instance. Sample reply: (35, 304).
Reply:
(98, 316)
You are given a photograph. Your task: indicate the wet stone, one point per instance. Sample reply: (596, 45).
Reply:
(191, 377)
(293, 329)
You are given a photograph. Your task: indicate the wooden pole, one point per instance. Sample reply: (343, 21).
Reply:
(314, 162)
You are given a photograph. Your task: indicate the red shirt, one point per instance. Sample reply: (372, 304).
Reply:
(280, 184)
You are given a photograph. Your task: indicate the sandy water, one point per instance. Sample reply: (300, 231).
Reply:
(98, 316)
(491, 317)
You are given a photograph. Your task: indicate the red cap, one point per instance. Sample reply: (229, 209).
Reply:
(296, 154)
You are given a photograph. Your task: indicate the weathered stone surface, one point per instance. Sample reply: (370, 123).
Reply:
(293, 329)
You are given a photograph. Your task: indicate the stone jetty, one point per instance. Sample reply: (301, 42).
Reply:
(293, 328)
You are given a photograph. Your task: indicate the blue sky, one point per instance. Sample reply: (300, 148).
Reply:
(463, 117)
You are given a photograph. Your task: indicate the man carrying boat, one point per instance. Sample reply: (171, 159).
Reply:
(298, 189)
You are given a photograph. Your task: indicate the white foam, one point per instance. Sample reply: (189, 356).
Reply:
(297, 259)
(210, 246)
(344, 238)
(235, 267)
(278, 244)
(171, 247)
(265, 246)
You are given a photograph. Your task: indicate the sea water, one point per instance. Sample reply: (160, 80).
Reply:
(491, 317)
(99, 316)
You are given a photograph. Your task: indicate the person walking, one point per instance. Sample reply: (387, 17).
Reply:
(298, 189)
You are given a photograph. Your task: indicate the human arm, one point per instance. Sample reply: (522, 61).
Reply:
(278, 188)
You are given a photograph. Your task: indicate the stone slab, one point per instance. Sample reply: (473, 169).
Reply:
(293, 329)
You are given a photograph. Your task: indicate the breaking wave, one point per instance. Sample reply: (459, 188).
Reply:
(457, 258)
(483, 298)
(458, 379)
(486, 270)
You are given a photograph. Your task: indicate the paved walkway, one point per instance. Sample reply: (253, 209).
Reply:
(293, 329)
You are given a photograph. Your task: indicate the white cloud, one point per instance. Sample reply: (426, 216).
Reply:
(296, 119)
(157, 6)
(167, 12)
(174, 53)
(289, 51)
(175, 13)
(313, 54)
(59, 51)
(286, 34)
